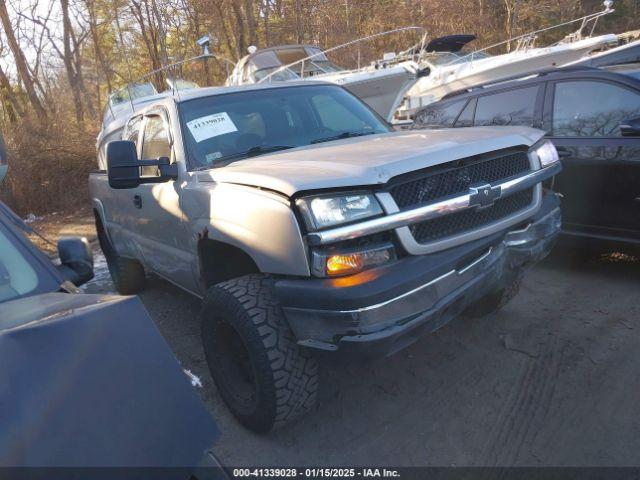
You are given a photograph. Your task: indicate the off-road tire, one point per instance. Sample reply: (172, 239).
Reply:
(494, 301)
(127, 274)
(283, 376)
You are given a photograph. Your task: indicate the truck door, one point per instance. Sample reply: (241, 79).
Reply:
(120, 213)
(600, 180)
(160, 231)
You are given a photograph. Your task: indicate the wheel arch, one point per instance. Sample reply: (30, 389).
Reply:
(220, 261)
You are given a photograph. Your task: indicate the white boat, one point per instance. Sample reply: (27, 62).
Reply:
(626, 50)
(451, 70)
(381, 84)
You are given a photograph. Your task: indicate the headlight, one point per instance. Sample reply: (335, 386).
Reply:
(546, 153)
(328, 210)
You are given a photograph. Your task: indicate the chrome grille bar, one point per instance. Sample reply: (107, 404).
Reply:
(425, 212)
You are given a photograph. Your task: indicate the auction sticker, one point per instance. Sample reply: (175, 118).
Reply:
(211, 126)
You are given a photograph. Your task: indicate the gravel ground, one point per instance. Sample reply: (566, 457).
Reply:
(553, 379)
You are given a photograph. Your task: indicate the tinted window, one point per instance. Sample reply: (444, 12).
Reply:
(513, 107)
(224, 128)
(440, 115)
(592, 109)
(466, 117)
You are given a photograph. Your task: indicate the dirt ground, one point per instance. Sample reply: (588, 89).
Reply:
(553, 379)
(79, 223)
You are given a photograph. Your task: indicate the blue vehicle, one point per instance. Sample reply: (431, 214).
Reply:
(87, 381)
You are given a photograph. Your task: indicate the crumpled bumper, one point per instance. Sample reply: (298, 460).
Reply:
(382, 311)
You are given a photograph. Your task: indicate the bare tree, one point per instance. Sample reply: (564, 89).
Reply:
(21, 62)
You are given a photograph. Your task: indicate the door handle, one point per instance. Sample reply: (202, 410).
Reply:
(137, 201)
(563, 152)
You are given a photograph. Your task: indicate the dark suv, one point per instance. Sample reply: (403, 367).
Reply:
(593, 118)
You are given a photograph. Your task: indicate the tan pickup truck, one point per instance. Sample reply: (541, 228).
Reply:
(308, 226)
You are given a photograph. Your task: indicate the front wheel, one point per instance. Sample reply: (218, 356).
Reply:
(265, 378)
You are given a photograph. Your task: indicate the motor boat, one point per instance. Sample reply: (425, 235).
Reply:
(381, 84)
(451, 69)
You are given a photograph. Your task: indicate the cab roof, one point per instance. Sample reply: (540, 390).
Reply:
(194, 93)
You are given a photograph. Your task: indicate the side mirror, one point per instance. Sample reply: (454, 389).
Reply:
(630, 128)
(123, 166)
(76, 259)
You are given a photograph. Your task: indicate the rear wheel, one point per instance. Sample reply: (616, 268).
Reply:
(265, 378)
(127, 274)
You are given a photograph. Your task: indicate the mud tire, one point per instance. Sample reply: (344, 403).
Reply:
(280, 377)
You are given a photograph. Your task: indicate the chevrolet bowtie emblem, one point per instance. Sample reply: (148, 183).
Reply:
(484, 196)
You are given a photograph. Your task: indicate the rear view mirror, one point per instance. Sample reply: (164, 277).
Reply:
(630, 128)
(123, 166)
(76, 259)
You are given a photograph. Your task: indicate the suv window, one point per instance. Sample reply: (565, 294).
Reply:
(466, 117)
(513, 107)
(592, 109)
(440, 115)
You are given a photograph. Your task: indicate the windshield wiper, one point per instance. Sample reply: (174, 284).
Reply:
(252, 152)
(341, 136)
(260, 149)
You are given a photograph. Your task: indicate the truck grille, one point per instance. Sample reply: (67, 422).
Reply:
(457, 180)
(466, 220)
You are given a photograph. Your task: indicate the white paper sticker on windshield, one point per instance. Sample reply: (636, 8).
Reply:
(211, 126)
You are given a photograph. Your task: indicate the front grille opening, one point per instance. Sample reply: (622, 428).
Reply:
(468, 220)
(458, 180)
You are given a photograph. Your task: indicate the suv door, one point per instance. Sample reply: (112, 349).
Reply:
(600, 181)
(161, 232)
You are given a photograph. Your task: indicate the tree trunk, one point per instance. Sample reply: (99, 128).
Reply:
(241, 41)
(251, 22)
(21, 62)
(67, 59)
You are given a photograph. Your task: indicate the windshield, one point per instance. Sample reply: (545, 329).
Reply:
(449, 58)
(280, 75)
(21, 273)
(224, 128)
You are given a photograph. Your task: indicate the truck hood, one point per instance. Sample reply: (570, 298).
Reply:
(368, 160)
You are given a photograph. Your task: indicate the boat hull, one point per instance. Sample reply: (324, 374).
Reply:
(448, 79)
(382, 89)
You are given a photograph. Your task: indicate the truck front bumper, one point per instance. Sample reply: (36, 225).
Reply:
(380, 311)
